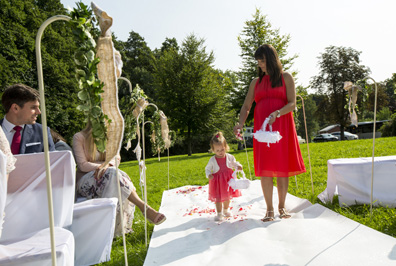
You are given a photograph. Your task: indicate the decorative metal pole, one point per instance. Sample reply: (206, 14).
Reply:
(348, 85)
(247, 158)
(129, 83)
(144, 172)
(372, 160)
(44, 127)
(306, 138)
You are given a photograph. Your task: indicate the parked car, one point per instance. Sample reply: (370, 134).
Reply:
(347, 135)
(300, 139)
(324, 138)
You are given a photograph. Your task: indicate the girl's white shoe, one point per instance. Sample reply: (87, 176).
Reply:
(218, 217)
(227, 213)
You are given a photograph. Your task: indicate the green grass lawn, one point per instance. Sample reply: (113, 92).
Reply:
(190, 170)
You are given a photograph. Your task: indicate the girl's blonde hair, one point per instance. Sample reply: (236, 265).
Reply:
(90, 144)
(218, 138)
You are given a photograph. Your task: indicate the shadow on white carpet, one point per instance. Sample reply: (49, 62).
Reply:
(314, 235)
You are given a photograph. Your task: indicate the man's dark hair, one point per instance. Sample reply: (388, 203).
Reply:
(19, 94)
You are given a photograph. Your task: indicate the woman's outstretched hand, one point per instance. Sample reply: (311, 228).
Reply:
(272, 118)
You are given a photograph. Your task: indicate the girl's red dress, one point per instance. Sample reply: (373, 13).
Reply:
(219, 190)
(282, 159)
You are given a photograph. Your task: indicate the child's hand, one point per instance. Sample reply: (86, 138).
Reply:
(239, 168)
(210, 177)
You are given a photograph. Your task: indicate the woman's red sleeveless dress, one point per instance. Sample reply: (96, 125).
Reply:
(282, 159)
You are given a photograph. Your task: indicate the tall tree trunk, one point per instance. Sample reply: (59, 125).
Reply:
(189, 141)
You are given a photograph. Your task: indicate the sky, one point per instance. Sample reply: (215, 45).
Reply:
(367, 26)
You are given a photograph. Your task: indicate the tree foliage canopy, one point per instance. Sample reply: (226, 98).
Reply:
(337, 65)
(256, 32)
(190, 91)
(19, 24)
(180, 78)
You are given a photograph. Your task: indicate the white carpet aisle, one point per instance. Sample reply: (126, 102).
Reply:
(314, 235)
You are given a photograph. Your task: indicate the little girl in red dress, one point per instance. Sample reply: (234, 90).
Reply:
(219, 171)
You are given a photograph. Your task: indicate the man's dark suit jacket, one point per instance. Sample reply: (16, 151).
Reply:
(32, 139)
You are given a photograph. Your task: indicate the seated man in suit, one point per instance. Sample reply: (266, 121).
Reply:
(21, 104)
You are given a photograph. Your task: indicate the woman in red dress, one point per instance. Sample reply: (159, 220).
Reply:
(275, 96)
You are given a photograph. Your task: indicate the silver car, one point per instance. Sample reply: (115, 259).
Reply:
(347, 135)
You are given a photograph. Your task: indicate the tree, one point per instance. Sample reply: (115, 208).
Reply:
(322, 109)
(337, 65)
(170, 43)
(255, 33)
(310, 110)
(390, 89)
(384, 114)
(389, 128)
(19, 24)
(366, 101)
(191, 92)
(137, 57)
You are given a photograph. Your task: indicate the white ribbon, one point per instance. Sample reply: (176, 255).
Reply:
(352, 91)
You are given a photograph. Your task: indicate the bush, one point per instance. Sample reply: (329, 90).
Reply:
(389, 128)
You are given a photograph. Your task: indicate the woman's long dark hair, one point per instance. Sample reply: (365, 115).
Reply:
(268, 53)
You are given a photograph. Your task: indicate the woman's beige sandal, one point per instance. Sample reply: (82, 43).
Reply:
(283, 214)
(159, 217)
(268, 218)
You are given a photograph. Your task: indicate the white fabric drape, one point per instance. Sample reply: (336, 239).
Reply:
(27, 206)
(92, 222)
(93, 228)
(351, 180)
(35, 250)
(3, 187)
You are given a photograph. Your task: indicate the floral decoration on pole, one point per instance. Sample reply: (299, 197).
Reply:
(86, 74)
(352, 91)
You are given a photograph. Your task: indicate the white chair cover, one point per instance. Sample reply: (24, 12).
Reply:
(35, 250)
(26, 207)
(93, 228)
(351, 180)
(3, 187)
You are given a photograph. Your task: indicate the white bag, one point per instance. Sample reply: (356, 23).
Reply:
(236, 183)
(267, 136)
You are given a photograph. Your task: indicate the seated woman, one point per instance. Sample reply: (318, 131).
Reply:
(95, 180)
(59, 141)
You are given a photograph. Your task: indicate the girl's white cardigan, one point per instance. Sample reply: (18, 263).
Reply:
(212, 166)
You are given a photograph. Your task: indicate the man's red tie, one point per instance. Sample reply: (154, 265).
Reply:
(16, 140)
